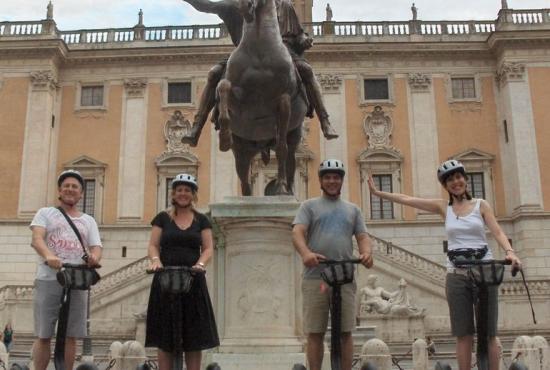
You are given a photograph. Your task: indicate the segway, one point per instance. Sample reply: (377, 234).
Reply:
(485, 273)
(67, 281)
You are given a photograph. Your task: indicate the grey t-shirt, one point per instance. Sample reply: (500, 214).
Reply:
(331, 225)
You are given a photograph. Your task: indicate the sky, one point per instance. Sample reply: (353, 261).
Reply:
(90, 14)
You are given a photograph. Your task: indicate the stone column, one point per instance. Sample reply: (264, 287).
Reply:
(334, 96)
(377, 353)
(35, 176)
(420, 354)
(520, 157)
(258, 285)
(424, 141)
(131, 174)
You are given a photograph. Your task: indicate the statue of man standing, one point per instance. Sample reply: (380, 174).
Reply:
(296, 41)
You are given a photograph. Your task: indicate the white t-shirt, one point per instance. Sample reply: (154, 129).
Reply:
(61, 239)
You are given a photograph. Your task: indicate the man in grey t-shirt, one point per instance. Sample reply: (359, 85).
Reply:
(323, 229)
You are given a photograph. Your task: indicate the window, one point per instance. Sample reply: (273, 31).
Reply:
(476, 184)
(91, 96)
(381, 209)
(179, 92)
(463, 88)
(376, 89)
(87, 202)
(168, 192)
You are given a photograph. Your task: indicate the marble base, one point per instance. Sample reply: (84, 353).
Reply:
(394, 328)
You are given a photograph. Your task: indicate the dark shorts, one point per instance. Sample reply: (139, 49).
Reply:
(47, 301)
(460, 292)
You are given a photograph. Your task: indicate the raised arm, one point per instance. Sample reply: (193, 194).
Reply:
(436, 206)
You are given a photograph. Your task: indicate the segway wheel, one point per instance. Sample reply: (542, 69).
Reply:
(87, 366)
(368, 366)
(19, 366)
(298, 367)
(517, 365)
(213, 366)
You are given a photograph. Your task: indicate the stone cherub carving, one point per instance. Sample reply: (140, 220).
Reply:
(377, 300)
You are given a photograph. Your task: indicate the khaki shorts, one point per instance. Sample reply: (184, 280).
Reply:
(316, 305)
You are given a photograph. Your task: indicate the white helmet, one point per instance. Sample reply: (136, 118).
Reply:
(184, 178)
(447, 168)
(332, 165)
(70, 173)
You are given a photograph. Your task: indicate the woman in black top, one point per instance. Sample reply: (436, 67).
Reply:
(184, 322)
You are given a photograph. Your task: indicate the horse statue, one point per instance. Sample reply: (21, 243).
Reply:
(261, 106)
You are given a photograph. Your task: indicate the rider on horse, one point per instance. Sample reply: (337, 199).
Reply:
(296, 41)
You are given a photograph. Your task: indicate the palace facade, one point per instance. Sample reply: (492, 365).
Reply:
(403, 96)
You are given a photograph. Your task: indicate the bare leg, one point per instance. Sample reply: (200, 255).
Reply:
(464, 352)
(193, 360)
(347, 350)
(207, 102)
(224, 89)
(165, 360)
(70, 352)
(41, 353)
(281, 146)
(316, 99)
(315, 350)
(494, 354)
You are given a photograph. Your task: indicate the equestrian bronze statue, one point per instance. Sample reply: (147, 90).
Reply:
(262, 93)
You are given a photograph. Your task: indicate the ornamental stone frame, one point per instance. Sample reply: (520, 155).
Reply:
(380, 157)
(78, 96)
(380, 161)
(91, 169)
(361, 89)
(477, 88)
(177, 158)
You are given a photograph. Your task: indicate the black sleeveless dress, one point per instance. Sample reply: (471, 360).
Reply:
(183, 322)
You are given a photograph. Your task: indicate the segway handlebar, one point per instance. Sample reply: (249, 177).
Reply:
(338, 262)
(166, 268)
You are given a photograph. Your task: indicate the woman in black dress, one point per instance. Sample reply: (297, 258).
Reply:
(184, 322)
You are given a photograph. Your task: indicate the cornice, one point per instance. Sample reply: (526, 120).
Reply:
(518, 39)
(33, 48)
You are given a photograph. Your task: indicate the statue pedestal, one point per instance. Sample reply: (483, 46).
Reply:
(395, 328)
(257, 284)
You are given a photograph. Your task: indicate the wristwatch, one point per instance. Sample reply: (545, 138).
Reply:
(201, 264)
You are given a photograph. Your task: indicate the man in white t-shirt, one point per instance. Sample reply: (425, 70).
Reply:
(56, 243)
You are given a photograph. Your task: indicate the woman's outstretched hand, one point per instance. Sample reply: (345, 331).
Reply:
(372, 188)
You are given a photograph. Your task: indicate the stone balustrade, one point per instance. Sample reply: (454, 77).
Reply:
(410, 261)
(125, 275)
(518, 18)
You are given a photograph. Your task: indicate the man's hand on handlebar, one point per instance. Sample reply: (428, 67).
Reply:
(312, 259)
(92, 261)
(54, 262)
(366, 259)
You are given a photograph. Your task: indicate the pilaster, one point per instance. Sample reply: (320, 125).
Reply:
(37, 145)
(520, 157)
(424, 141)
(334, 96)
(131, 176)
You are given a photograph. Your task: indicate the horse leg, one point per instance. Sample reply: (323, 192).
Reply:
(293, 141)
(243, 157)
(281, 147)
(224, 91)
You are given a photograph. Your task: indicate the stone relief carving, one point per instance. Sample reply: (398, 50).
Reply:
(420, 82)
(510, 71)
(258, 300)
(378, 128)
(43, 80)
(135, 87)
(377, 300)
(175, 129)
(330, 83)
